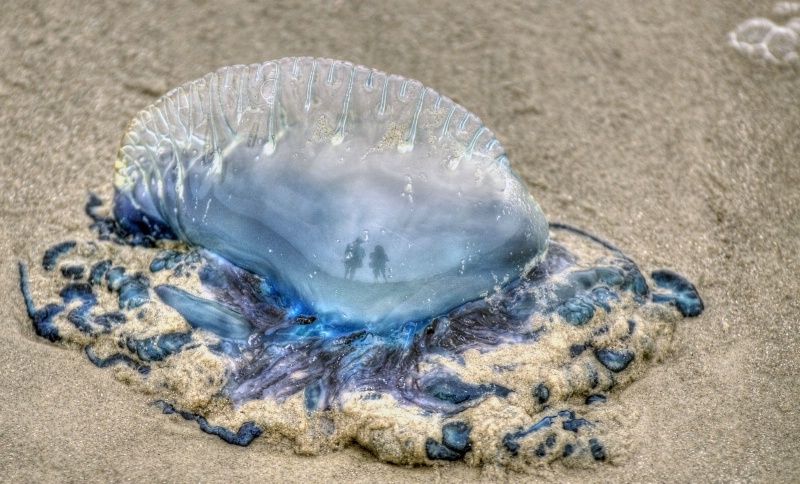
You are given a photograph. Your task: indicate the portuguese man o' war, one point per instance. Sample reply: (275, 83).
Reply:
(313, 251)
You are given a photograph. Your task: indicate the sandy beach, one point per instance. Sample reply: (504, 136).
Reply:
(634, 121)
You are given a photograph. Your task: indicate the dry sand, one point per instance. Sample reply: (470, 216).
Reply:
(633, 120)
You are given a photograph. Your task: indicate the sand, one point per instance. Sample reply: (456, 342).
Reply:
(634, 121)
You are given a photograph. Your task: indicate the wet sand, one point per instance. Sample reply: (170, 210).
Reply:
(633, 121)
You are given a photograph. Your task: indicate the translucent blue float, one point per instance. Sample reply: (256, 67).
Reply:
(297, 170)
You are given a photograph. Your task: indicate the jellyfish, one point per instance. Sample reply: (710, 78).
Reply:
(214, 279)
